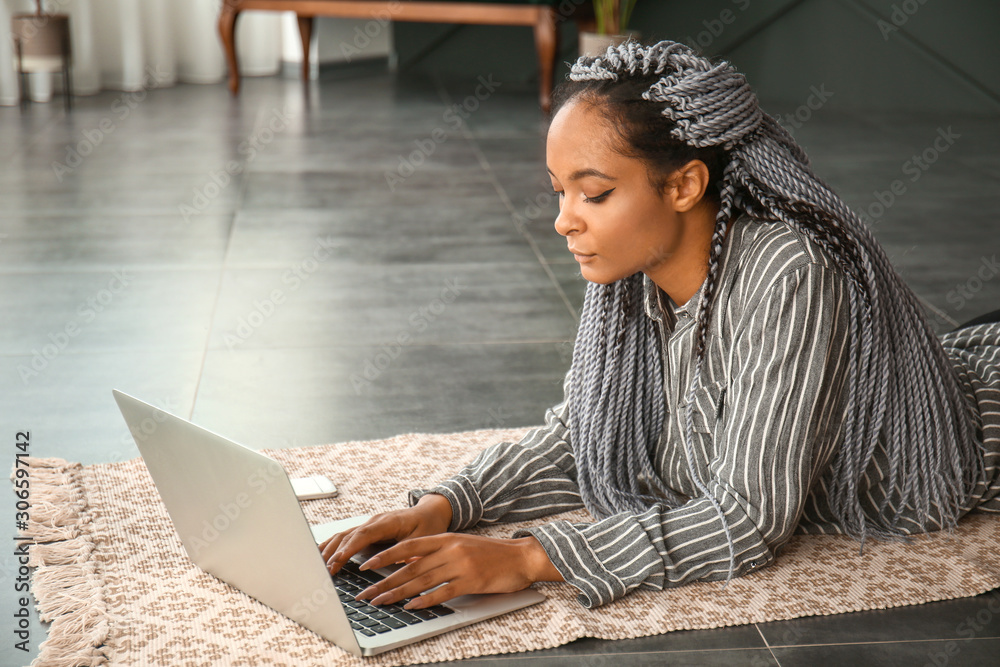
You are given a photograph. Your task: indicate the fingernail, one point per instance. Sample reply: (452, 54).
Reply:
(337, 556)
(382, 599)
(367, 564)
(412, 604)
(365, 593)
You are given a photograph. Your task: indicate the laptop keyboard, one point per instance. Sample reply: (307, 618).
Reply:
(369, 620)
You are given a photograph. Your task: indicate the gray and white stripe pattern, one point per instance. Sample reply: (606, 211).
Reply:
(901, 384)
(769, 410)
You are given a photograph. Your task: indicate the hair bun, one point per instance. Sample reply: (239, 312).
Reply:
(711, 105)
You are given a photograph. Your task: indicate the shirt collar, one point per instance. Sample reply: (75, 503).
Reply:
(659, 305)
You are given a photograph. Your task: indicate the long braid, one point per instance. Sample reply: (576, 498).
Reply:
(727, 194)
(902, 391)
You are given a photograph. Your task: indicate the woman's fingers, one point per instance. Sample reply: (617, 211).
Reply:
(431, 515)
(410, 581)
(406, 551)
(451, 564)
(329, 548)
(380, 528)
(440, 594)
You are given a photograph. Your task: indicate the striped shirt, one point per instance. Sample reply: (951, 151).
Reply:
(768, 418)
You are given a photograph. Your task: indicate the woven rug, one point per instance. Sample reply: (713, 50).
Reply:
(118, 589)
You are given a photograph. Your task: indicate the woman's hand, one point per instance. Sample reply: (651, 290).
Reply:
(458, 564)
(430, 516)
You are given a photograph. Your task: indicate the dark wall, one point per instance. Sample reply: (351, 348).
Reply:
(872, 54)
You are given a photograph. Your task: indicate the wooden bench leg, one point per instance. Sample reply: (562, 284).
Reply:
(547, 45)
(305, 31)
(227, 32)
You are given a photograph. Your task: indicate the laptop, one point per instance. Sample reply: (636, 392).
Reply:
(239, 519)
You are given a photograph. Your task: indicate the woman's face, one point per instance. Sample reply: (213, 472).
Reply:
(615, 222)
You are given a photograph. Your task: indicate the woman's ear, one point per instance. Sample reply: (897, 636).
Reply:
(686, 185)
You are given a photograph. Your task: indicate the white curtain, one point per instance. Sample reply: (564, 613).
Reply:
(136, 44)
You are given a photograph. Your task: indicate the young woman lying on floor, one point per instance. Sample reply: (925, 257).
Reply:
(748, 365)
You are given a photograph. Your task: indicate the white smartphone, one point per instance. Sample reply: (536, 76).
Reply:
(311, 488)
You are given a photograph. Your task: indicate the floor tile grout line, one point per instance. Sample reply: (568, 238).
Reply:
(885, 641)
(505, 199)
(218, 296)
(289, 348)
(510, 658)
(237, 206)
(767, 645)
(208, 334)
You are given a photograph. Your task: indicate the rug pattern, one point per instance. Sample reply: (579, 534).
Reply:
(118, 588)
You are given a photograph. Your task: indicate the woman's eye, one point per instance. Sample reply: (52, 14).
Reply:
(599, 198)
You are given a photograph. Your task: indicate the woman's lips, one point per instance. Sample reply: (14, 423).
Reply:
(583, 259)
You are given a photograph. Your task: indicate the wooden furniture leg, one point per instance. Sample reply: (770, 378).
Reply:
(22, 78)
(305, 30)
(67, 87)
(227, 32)
(547, 45)
(67, 77)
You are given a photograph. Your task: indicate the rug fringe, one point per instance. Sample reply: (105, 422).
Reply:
(67, 584)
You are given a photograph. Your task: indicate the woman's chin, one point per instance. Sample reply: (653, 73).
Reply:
(592, 275)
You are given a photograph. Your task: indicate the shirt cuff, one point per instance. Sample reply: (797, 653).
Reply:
(573, 556)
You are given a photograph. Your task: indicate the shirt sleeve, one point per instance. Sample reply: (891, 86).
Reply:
(518, 481)
(779, 431)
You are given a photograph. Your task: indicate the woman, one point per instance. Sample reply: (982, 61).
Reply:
(748, 365)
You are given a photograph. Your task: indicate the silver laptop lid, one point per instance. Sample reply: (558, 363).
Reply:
(238, 518)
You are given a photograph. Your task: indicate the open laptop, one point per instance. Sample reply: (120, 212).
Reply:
(239, 520)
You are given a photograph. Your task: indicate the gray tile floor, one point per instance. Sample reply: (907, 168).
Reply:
(239, 261)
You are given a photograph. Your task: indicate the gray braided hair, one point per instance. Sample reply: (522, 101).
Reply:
(901, 385)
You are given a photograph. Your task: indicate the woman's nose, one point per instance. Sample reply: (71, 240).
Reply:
(567, 222)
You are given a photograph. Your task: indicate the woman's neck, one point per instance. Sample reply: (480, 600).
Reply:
(683, 275)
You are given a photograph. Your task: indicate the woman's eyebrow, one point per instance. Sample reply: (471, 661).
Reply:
(590, 171)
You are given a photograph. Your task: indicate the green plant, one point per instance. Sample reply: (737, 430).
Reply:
(613, 15)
